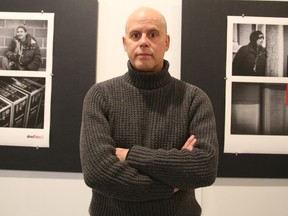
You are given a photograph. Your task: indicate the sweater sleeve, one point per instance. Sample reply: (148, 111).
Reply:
(102, 170)
(184, 169)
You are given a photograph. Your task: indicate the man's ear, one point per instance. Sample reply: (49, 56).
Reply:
(124, 43)
(167, 42)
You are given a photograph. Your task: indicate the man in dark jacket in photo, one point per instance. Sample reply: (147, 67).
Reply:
(250, 59)
(23, 52)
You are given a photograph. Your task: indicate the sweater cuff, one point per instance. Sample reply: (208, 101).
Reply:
(140, 157)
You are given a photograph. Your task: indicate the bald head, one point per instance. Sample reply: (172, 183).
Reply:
(146, 39)
(146, 14)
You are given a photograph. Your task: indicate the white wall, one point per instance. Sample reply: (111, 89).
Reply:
(249, 197)
(29, 193)
(112, 59)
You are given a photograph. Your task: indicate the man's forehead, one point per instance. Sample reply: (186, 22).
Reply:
(142, 25)
(146, 16)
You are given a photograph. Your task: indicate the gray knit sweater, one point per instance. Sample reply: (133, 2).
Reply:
(152, 114)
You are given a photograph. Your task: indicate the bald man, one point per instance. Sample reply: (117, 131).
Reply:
(148, 140)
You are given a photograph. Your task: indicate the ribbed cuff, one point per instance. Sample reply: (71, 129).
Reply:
(140, 157)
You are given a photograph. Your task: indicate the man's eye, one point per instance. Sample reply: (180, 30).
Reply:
(135, 35)
(153, 34)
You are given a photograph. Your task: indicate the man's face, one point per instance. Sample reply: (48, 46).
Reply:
(146, 41)
(260, 41)
(21, 34)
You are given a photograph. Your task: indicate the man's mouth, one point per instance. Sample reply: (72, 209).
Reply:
(143, 54)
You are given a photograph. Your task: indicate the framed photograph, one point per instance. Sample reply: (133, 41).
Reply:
(256, 105)
(26, 43)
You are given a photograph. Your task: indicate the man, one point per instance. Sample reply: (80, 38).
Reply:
(250, 60)
(147, 139)
(23, 52)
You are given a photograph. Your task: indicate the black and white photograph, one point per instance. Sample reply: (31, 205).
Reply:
(259, 109)
(23, 43)
(22, 102)
(25, 111)
(26, 43)
(260, 49)
(256, 109)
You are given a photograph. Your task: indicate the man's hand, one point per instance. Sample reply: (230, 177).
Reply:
(190, 143)
(12, 57)
(121, 153)
(176, 190)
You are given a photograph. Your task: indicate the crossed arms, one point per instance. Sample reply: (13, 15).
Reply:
(146, 173)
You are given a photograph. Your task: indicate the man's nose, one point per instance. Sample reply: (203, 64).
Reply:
(144, 42)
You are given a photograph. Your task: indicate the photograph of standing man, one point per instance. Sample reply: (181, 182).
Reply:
(23, 52)
(250, 60)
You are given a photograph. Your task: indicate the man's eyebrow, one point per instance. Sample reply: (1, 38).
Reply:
(138, 30)
(133, 32)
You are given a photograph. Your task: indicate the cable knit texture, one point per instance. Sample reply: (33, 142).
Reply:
(152, 114)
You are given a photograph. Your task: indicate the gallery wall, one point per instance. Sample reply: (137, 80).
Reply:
(34, 193)
(74, 65)
(203, 63)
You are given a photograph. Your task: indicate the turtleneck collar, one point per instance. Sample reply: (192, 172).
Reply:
(148, 80)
